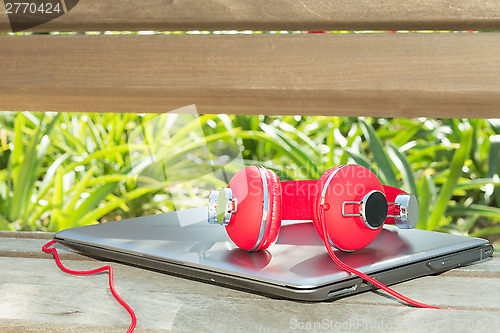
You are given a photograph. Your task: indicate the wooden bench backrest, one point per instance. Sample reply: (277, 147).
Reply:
(352, 74)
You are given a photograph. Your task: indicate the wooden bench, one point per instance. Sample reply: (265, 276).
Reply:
(37, 296)
(353, 74)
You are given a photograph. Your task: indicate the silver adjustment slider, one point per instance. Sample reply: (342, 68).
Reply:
(351, 203)
(372, 209)
(406, 211)
(221, 205)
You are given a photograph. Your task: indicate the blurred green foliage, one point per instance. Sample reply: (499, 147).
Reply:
(68, 169)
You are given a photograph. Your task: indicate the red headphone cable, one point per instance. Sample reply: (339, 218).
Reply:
(368, 278)
(332, 254)
(46, 249)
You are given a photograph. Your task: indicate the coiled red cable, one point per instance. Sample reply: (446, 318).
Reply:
(332, 254)
(46, 249)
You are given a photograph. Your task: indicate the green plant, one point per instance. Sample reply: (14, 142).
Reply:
(66, 170)
(58, 171)
(50, 182)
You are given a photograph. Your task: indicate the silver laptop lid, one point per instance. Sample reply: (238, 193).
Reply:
(298, 259)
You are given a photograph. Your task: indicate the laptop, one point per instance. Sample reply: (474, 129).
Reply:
(296, 267)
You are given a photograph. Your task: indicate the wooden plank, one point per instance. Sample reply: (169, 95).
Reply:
(26, 234)
(38, 293)
(32, 248)
(274, 15)
(391, 75)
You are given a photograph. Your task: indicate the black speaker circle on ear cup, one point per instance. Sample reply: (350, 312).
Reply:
(375, 209)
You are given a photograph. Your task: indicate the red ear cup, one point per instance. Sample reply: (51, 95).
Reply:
(256, 223)
(337, 189)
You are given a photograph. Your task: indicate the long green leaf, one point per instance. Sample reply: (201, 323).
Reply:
(358, 158)
(110, 205)
(425, 200)
(350, 141)
(5, 225)
(103, 153)
(15, 160)
(446, 192)
(406, 135)
(56, 219)
(97, 139)
(28, 172)
(330, 141)
(4, 193)
(426, 153)
(485, 231)
(48, 177)
(112, 178)
(264, 137)
(77, 146)
(384, 164)
(482, 210)
(169, 155)
(25, 178)
(471, 184)
(404, 168)
(290, 144)
(494, 155)
(80, 187)
(18, 151)
(35, 215)
(89, 204)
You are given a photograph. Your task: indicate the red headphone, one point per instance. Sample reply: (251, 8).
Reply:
(347, 201)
